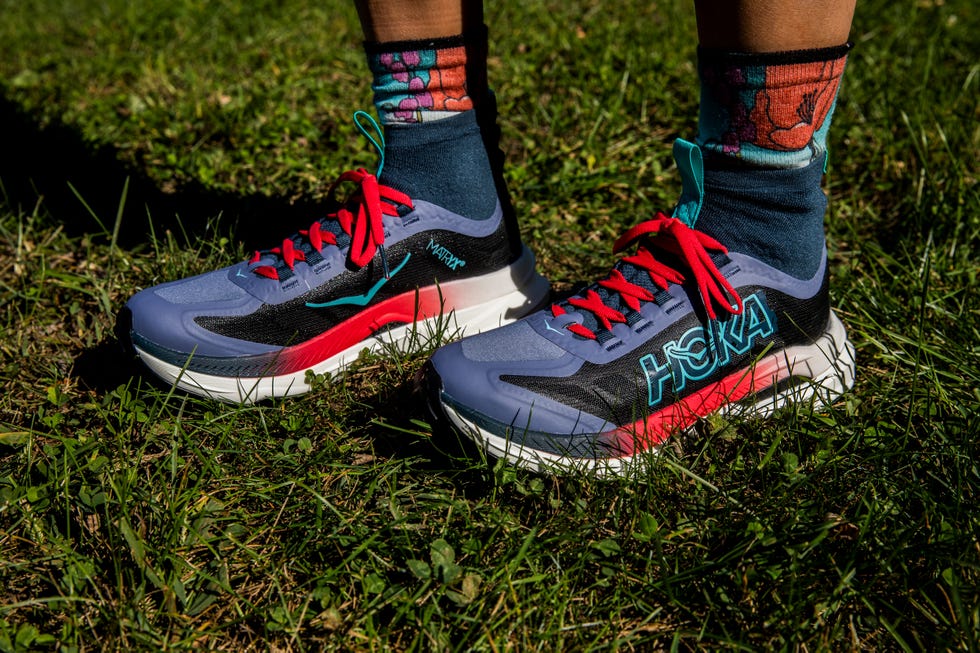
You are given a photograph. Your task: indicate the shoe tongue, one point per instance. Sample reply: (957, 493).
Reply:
(691, 165)
(333, 226)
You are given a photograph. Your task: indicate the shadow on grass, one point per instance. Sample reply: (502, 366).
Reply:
(46, 162)
(106, 366)
(397, 419)
(397, 410)
(396, 416)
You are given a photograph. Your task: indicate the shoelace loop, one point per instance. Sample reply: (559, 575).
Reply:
(674, 236)
(364, 225)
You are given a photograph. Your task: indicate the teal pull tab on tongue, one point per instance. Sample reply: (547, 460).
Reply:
(689, 162)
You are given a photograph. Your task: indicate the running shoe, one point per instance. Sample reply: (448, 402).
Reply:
(378, 272)
(680, 329)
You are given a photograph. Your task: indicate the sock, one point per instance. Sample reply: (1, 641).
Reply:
(422, 81)
(769, 110)
(427, 94)
(443, 162)
(762, 130)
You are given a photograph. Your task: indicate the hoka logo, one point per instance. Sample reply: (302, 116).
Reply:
(451, 260)
(692, 357)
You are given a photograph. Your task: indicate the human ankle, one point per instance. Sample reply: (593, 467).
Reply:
(774, 215)
(443, 162)
(763, 125)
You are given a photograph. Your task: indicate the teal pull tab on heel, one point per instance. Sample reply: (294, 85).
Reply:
(379, 143)
(691, 165)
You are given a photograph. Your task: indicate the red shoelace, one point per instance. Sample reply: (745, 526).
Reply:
(365, 228)
(670, 234)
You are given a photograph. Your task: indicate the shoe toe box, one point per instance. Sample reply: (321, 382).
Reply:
(164, 316)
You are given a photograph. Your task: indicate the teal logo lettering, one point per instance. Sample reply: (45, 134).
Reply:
(450, 260)
(698, 353)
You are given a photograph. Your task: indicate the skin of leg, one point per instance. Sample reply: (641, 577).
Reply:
(773, 25)
(385, 21)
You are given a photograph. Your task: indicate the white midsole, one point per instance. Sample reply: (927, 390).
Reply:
(496, 299)
(828, 366)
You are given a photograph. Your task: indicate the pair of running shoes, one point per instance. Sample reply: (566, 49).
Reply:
(680, 328)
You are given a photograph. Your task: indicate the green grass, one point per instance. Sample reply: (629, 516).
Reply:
(132, 516)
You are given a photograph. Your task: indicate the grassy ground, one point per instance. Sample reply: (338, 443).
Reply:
(135, 517)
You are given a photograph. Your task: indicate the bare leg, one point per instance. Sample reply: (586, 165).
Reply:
(773, 26)
(385, 21)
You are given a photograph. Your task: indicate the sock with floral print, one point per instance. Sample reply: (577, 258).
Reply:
(422, 81)
(763, 127)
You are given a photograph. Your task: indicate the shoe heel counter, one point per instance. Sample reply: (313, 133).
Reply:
(805, 320)
(486, 116)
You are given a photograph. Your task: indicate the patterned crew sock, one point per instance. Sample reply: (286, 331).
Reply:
(422, 81)
(769, 110)
(763, 129)
(429, 95)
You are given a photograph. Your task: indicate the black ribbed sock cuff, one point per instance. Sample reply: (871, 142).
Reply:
(714, 56)
(476, 36)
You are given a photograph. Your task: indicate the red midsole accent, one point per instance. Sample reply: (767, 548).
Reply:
(403, 309)
(653, 430)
